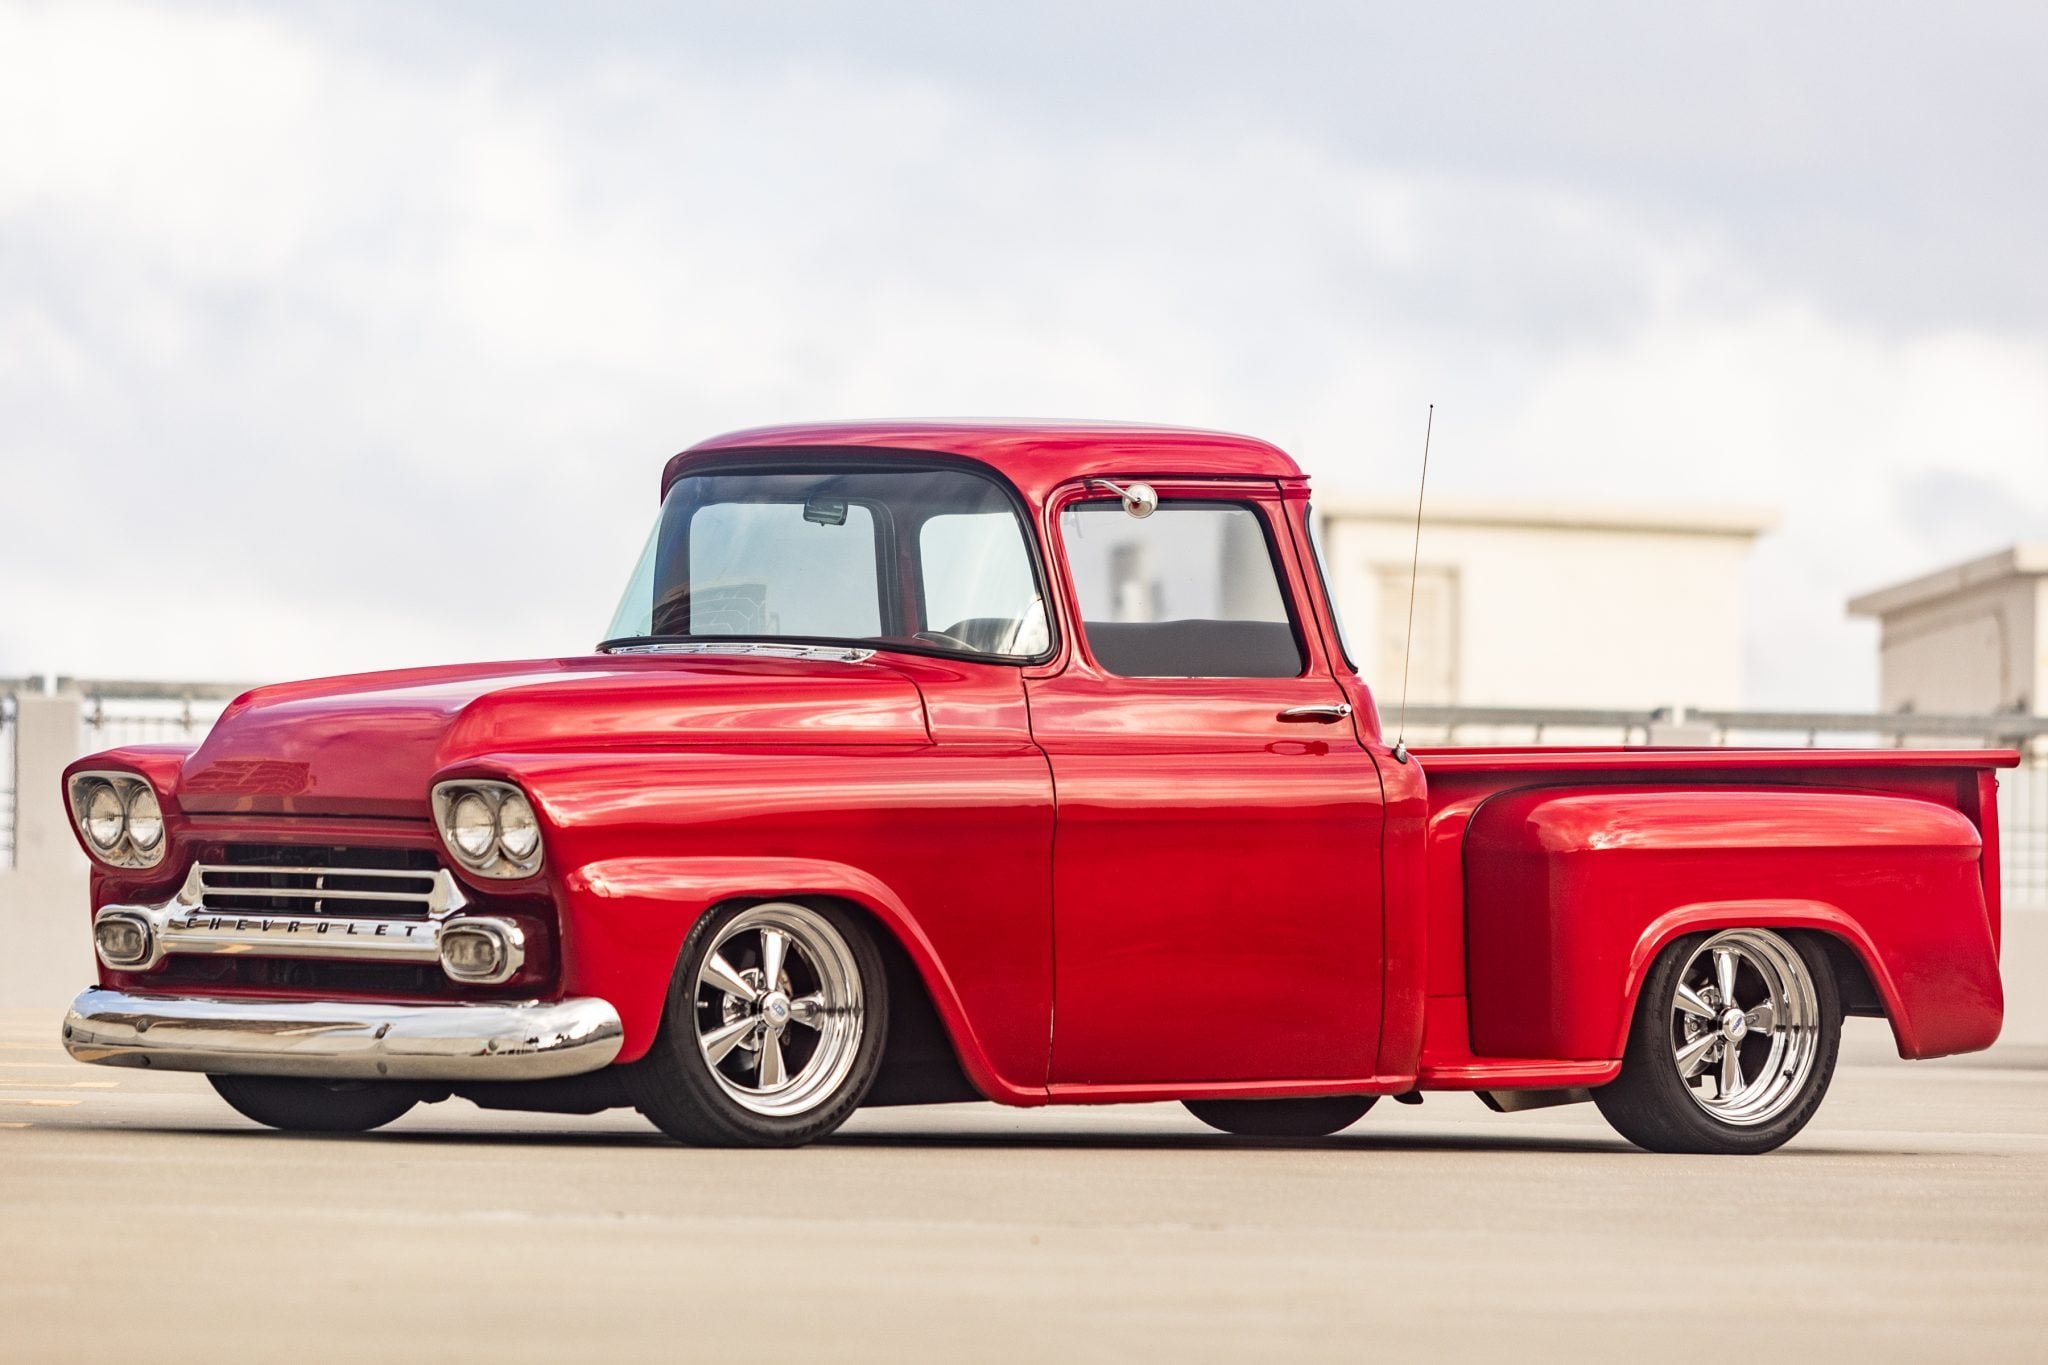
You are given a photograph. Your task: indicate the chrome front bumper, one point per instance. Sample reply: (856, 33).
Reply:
(344, 1040)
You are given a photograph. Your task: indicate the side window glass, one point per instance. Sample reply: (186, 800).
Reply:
(1189, 592)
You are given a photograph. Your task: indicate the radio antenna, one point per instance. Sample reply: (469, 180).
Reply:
(1414, 568)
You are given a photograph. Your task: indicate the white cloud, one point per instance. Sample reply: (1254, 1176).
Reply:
(341, 360)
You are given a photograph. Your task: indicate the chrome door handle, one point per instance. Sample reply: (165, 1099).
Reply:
(1318, 715)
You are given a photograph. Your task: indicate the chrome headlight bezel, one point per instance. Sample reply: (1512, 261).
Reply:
(496, 860)
(126, 788)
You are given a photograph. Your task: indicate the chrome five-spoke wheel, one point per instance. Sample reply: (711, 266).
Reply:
(1744, 1025)
(773, 1030)
(779, 1011)
(1732, 1046)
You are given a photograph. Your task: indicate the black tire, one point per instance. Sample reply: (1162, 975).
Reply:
(674, 1085)
(1652, 1106)
(306, 1106)
(1303, 1118)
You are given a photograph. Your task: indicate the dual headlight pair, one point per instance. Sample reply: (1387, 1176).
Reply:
(120, 817)
(489, 827)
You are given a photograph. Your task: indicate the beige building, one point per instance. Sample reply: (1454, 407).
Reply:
(1542, 604)
(1968, 639)
(43, 907)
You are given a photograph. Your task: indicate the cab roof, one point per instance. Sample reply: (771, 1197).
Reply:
(1035, 456)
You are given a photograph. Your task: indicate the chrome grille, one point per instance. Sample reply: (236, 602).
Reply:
(385, 883)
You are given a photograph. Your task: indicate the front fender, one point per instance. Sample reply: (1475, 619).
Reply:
(626, 919)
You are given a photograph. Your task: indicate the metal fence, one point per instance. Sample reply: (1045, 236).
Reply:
(111, 714)
(118, 713)
(111, 722)
(2022, 792)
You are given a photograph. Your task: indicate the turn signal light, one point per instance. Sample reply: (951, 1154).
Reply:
(482, 952)
(121, 940)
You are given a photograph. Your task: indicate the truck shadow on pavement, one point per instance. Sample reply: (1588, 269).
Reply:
(1357, 1143)
(1342, 1142)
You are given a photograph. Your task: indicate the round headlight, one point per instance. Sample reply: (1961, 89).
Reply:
(145, 819)
(471, 826)
(104, 817)
(518, 831)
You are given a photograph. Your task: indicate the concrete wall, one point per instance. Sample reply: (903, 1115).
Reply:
(1968, 639)
(46, 953)
(1530, 605)
(1971, 653)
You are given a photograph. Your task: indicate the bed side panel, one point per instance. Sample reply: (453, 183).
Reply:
(1567, 890)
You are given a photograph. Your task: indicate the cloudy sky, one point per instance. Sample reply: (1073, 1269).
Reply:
(340, 335)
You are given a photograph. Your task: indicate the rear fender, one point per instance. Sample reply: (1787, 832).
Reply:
(1570, 893)
(1782, 916)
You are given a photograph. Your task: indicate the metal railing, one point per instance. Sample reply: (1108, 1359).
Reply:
(116, 713)
(2022, 792)
(1769, 729)
(110, 720)
(111, 714)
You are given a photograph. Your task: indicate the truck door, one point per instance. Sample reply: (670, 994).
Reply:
(1216, 857)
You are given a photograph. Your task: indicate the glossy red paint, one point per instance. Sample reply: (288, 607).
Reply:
(1216, 869)
(1034, 457)
(1121, 889)
(1563, 877)
(373, 744)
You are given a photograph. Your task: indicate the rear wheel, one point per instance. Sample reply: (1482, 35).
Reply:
(1318, 1117)
(773, 1031)
(304, 1106)
(1732, 1046)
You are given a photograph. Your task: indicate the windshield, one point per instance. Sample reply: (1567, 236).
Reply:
(933, 560)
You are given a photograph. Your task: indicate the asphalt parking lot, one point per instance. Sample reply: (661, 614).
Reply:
(145, 1220)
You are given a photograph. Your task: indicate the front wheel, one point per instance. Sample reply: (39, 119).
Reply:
(1732, 1046)
(773, 1030)
(1304, 1118)
(303, 1106)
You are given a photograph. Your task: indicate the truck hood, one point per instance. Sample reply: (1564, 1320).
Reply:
(371, 744)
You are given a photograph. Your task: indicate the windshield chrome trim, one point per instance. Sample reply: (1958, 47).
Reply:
(760, 649)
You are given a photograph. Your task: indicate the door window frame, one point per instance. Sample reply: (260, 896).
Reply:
(1262, 498)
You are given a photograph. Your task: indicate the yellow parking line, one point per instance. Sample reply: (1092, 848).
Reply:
(60, 1085)
(39, 1104)
(17, 1125)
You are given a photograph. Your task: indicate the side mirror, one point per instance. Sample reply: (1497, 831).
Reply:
(1141, 500)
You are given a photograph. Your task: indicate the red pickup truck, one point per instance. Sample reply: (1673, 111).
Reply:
(1012, 762)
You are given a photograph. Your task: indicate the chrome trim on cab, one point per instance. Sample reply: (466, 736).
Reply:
(834, 653)
(344, 1040)
(1318, 715)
